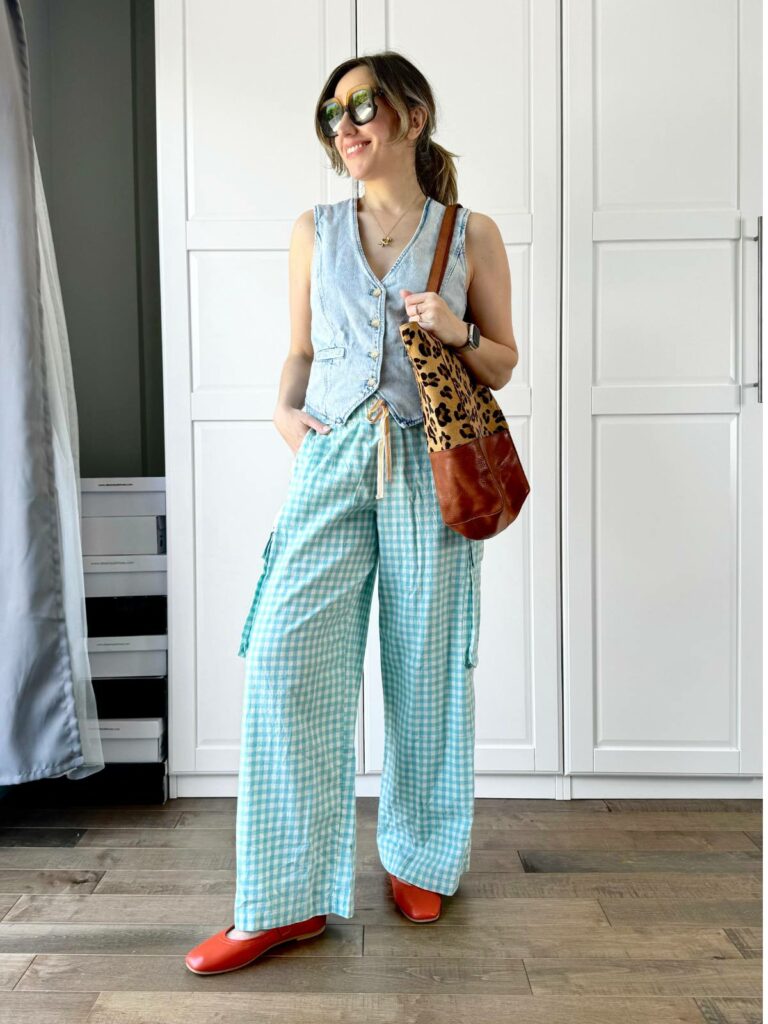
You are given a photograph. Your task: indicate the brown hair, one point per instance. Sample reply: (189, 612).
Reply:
(404, 87)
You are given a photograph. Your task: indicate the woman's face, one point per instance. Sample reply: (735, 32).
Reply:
(375, 154)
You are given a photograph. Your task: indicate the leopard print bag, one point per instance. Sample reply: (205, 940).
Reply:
(479, 480)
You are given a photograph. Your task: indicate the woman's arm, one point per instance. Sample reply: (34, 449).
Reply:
(288, 417)
(489, 291)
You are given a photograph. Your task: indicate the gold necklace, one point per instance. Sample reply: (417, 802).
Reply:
(387, 237)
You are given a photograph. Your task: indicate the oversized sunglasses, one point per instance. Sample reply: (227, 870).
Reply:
(361, 106)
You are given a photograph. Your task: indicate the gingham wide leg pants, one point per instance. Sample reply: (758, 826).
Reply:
(304, 643)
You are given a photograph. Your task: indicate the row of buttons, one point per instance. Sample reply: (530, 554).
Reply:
(373, 353)
(374, 323)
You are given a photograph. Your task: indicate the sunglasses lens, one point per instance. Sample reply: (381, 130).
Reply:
(361, 107)
(330, 117)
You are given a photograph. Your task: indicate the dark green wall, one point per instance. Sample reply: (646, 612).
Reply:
(93, 109)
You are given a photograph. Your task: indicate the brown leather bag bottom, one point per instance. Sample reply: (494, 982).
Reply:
(480, 485)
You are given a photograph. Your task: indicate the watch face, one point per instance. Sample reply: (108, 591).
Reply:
(475, 341)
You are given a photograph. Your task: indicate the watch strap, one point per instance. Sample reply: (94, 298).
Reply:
(468, 342)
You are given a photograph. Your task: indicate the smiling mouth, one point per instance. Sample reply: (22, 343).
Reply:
(357, 148)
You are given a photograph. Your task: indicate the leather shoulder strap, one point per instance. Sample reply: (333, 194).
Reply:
(443, 248)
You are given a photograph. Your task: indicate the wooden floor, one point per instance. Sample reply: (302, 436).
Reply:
(585, 912)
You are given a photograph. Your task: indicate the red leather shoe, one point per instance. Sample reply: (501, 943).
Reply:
(219, 954)
(419, 905)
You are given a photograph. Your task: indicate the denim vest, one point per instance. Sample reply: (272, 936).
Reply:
(358, 350)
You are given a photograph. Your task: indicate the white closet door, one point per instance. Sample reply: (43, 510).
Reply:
(494, 72)
(238, 162)
(662, 141)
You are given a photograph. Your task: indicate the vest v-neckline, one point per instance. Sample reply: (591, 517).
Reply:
(408, 244)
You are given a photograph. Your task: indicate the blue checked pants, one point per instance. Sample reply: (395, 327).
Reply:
(361, 499)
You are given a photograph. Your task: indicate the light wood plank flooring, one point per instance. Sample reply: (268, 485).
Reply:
(580, 912)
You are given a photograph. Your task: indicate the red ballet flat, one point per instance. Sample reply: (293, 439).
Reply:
(419, 905)
(220, 954)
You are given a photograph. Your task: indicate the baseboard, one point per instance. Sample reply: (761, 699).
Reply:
(545, 787)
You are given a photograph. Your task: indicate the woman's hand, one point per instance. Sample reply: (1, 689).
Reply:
(293, 425)
(433, 313)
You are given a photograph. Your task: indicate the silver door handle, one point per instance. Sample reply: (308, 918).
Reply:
(759, 238)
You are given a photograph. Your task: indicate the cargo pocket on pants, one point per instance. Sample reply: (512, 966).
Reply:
(474, 560)
(246, 635)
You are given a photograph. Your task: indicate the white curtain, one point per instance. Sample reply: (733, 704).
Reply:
(66, 471)
(48, 722)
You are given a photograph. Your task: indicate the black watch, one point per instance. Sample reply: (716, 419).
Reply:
(473, 338)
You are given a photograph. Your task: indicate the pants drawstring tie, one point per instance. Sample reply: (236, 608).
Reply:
(379, 412)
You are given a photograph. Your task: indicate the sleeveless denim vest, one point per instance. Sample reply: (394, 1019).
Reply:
(358, 351)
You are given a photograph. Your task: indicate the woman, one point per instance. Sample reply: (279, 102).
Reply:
(362, 500)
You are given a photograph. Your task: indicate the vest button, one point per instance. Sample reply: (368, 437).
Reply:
(373, 353)
(375, 322)
(376, 291)
(371, 381)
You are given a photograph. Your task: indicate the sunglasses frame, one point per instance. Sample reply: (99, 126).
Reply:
(374, 90)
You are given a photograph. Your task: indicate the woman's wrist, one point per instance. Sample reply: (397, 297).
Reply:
(458, 336)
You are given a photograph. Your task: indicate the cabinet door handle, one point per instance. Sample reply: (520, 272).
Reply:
(759, 239)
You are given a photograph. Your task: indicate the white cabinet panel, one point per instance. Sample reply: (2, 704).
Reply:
(661, 453)
(665, 311)
(665, 93)
(238, 329)
(506, 170)
(241, 472)
(237, 163)
(665, 601)
(251, 148)
(634, 307)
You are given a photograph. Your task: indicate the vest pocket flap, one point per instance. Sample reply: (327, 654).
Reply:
(330, 353)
